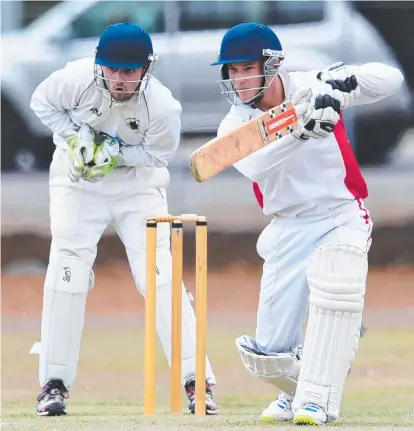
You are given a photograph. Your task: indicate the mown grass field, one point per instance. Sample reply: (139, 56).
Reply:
(108, 392)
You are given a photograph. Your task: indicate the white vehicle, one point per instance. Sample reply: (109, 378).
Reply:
(187, 35)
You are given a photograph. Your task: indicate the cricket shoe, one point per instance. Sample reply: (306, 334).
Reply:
(279, 410)
(310, 414)
(51, 401)
(211, 406)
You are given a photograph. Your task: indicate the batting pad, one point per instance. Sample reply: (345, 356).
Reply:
(336, 277)
(163, 313)
(67, 283)
(280, 369)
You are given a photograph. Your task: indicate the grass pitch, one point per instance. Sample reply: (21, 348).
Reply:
(108, 392)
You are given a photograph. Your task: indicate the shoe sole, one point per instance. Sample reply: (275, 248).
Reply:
(273, 420)
(268, 420)
(55, 409)
(52, 413)
(305, 420)
(208, 412)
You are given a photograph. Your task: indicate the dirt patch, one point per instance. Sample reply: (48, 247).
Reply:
(391, 246)
(232, 291)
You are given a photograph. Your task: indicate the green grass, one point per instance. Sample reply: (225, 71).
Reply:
(108, 391)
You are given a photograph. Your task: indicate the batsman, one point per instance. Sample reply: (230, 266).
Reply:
(115, 127)
(315, 248)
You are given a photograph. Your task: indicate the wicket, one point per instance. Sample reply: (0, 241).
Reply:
(176, 319)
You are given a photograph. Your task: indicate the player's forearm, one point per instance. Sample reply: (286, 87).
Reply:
(377, 81)
(50, 113)
(138, 155)
(258, 164)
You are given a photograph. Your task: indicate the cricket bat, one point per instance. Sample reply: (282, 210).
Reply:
(222, 152)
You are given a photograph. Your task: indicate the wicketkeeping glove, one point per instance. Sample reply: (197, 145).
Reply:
(107, 156)
(81, 148)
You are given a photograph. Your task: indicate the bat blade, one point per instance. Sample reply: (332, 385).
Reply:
(222, 152)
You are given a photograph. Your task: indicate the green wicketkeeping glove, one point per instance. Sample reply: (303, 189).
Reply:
(107, 156)
(81, 150)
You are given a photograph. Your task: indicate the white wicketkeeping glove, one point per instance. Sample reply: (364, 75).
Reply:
(345, 85)
(81, 148)
(107, 156)
(317, 110)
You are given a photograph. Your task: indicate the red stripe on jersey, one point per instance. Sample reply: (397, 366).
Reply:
(258, 193)
(354, 181)
(364, 210)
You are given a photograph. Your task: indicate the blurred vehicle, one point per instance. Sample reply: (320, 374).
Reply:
(187, 36)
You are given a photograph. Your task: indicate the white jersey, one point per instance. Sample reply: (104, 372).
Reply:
(80, 212)
(295, 178)
(150, 128)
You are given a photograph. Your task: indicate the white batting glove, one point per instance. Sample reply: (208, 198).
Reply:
(107, 156)
(81, 148)
(317, 110)
(345, 85)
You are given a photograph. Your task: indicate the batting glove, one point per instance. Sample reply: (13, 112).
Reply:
(318, 111)
(345, 85)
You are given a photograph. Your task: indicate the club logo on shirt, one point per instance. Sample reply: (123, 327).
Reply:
(133, 124)
(95, 111)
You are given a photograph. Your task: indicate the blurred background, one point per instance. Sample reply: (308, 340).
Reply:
(38, 37)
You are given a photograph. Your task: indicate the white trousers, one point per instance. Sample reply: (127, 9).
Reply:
(80, 213)
(285, 245)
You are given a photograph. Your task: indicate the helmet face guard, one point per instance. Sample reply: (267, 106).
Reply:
(102, 82)
(124, 46)
(271, 62)
(248, 42)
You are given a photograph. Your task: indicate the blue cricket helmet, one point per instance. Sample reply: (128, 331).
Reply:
(246, 42)
(124, 46)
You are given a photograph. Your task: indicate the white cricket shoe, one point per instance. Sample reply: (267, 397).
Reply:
(310, 414)
(279, 410)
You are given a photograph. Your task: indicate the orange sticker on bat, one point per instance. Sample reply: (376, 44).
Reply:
(281, 121)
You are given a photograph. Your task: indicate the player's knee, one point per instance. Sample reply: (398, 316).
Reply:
(280, 369)
(163, 269)
(69, 274)
(337, 277)
(65, 249)
(280, 342)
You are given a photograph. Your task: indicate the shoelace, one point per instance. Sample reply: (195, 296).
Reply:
(190, 390)
(47, 390)
(283, 402)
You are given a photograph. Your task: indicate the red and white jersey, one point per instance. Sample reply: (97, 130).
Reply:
(295, 178)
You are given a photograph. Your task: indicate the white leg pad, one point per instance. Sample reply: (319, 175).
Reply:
(337, 278)
(67, 283)
(279, 369)
(163, 313)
